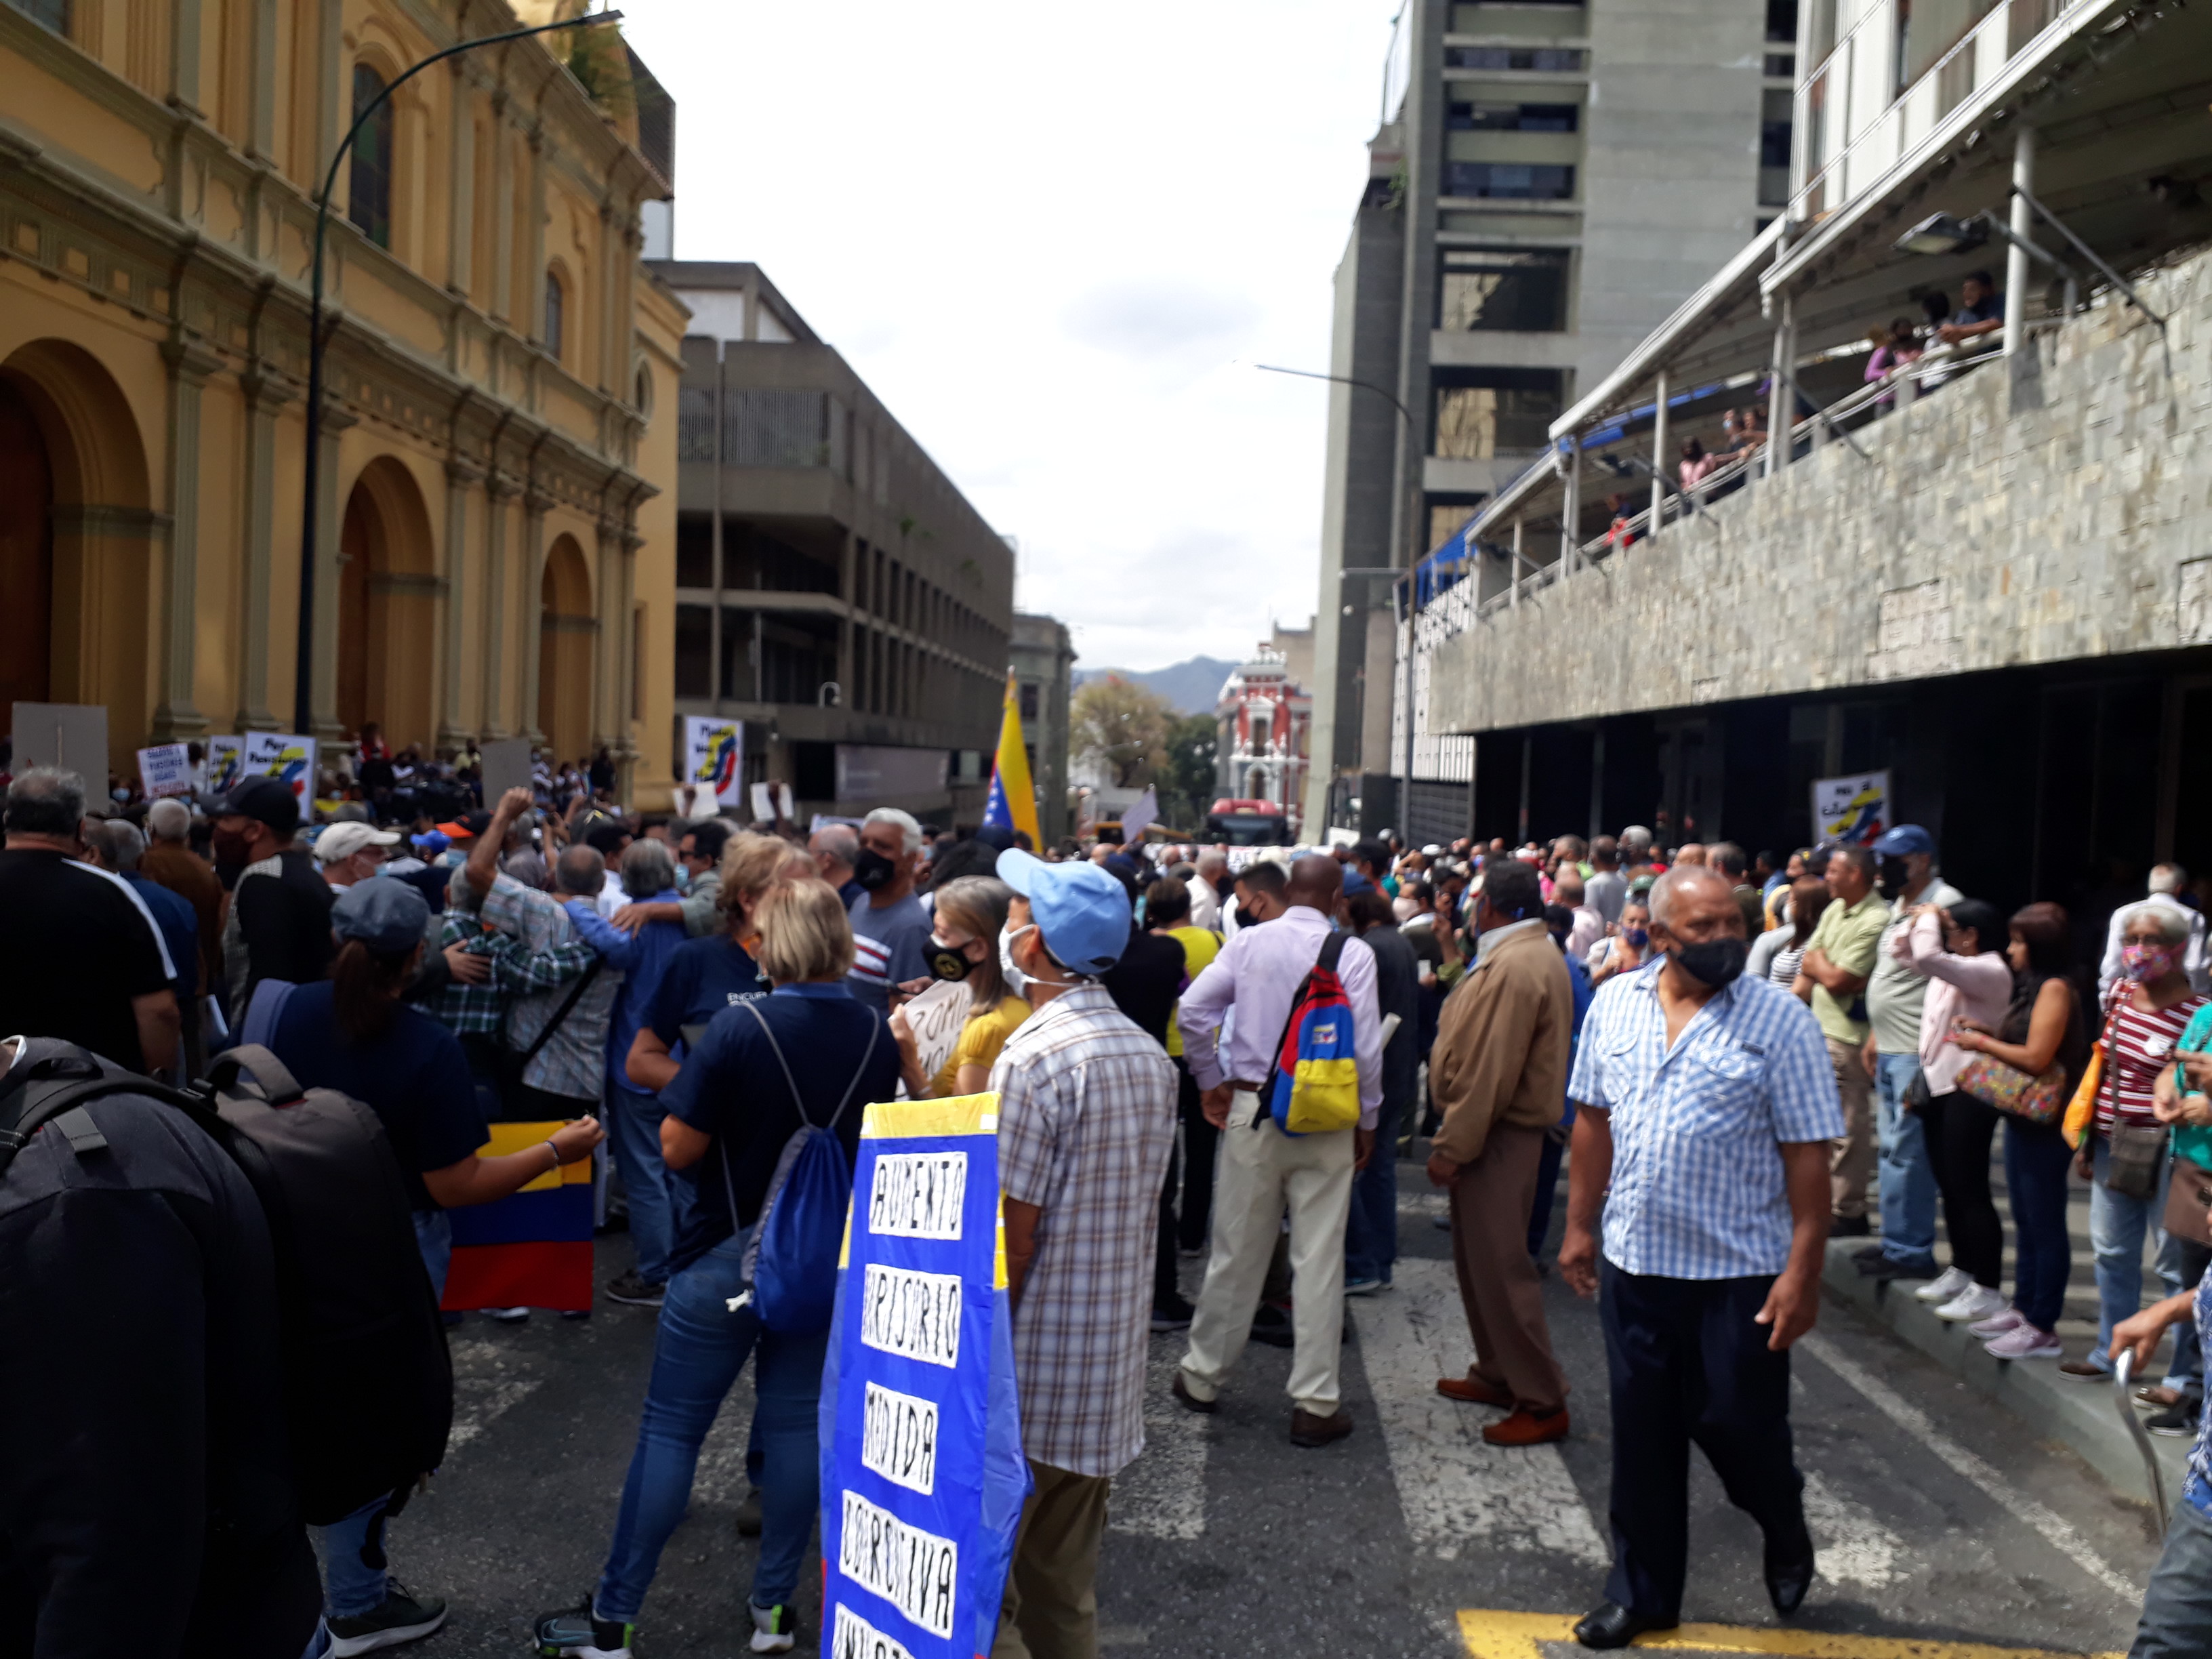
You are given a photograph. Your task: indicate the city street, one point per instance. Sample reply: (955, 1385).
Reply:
(1940, 1520)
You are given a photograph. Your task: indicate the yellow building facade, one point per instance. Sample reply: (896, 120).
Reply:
(495, 520)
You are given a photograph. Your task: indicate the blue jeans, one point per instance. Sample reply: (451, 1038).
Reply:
(2117, 1226)
(700, 1348)
(1371, 1228)
(634, 1127)
(2176, 1610)
(353, 1549)
(2036, 1161)
(1908, 1178)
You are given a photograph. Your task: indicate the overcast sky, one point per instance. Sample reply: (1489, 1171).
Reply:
(1053, 239)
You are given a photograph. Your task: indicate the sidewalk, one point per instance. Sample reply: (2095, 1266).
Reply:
(2082, 1416)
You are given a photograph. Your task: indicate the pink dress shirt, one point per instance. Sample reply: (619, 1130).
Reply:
(1978, 989)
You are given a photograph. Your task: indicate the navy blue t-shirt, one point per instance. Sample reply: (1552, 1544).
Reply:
(415, 1077)
(732, 1088)
(703, 977)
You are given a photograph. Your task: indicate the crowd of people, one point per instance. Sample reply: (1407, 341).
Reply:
(1737, 1059)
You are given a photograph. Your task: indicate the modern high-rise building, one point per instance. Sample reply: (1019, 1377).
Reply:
(1550, 181)
(1043, 660)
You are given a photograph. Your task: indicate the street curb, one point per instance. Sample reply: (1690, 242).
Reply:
(2078, 1415)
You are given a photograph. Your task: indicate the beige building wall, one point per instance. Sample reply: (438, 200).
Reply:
(495, 537)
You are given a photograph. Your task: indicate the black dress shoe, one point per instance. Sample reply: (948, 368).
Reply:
(1611, 1625)
(1786, 1582)
(1849, 1226)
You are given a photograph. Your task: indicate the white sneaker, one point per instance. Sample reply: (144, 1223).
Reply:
(1945, 1286)
(2024, 1341)
(1996, 1324)
(774, 1629)
(1976, 1301)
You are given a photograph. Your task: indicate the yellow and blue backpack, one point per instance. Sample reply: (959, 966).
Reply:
(1314, 1087)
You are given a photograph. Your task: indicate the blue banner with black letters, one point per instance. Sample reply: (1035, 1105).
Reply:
(922, 1473)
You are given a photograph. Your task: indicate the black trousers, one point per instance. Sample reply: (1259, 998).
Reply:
(1201, 1142)
(1958, 1129)
(1687, 1364)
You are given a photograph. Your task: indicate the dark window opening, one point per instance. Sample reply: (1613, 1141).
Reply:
(1774, 143)
(557, 306)
(1782, 22)
(1511, 289)
(695, 650)
(814, 770)
(1478, 413)
(1509, 181)
(1551, 60)
(694, 550)
(1513, 117)
(1029, 703)
(753, 558)
(368, 201)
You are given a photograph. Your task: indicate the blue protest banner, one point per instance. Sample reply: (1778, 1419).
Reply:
(922, 1473)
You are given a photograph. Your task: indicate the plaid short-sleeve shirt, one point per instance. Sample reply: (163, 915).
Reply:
(1086, 1115)
(1698, 1189)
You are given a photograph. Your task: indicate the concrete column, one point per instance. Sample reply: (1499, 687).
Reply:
(1514, 602)
(461, 186)
(1659, 413)
(609, 721)
(265, 398)
(498, 492)
(2018, 271)
(1597, 783)
(531, 612)
(626, 751)
(1781, 401)
(175, 714)
(462, 477)
(323, 689)
(1571, 511)
(503, 210)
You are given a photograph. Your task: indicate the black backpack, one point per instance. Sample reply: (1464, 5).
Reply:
(368, 1384)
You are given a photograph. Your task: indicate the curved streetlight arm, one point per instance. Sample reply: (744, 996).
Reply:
(302, 690)
(1342, 379)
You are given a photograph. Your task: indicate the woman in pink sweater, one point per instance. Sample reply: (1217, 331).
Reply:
(1970, 983)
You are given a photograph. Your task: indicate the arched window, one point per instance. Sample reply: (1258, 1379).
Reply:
(369, 204)
(555, 303)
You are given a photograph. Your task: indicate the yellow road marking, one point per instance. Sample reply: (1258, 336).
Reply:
(1517, 1636)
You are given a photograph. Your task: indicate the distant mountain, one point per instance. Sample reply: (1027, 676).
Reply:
(1192, 687)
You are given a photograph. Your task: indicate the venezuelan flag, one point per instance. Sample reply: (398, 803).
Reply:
(532, 1249)
(1012, 804)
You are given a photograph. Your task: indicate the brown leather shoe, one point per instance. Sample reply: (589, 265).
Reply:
(1190, 1401)
(1528, 1428)
(1473, 1391)
(1307, 1430)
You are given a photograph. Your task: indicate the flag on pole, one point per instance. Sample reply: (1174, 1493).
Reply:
(1012, 804)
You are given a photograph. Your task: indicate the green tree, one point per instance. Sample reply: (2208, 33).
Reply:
(1188, 788)
(1123, 727)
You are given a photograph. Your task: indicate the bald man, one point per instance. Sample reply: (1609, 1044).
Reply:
(1261, 972)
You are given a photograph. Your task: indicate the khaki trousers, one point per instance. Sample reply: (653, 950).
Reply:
(1051, 1606)
(1260, 1171)
(1850, 1160)
(1499, 1285)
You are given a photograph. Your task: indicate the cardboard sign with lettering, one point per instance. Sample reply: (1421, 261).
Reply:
(922, 1473)
(225, 763)
(165, 770)
(1852, 809)
(288, 759)
(936, 1016)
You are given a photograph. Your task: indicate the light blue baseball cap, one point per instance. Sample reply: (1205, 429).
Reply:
(1081, 910)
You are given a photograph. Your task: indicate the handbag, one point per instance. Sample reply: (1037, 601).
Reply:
(2189, 1201)
(2133, 1153)
(2032, 1099)
(2082, 1111)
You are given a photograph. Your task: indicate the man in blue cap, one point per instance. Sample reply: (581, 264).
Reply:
(1086, 1117)
(1895, 994)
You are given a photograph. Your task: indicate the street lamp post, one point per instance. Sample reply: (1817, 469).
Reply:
(303, 692)
(1413, 549)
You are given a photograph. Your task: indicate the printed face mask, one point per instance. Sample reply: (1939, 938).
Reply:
(872, 870)
(949, 961)
(2144, 963)
(1637, 938)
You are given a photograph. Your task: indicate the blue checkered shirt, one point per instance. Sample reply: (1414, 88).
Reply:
(1698, 1189)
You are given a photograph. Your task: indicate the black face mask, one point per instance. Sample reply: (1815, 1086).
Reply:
(1894, 874)
(1715, 962)
(945, 962)
(872, 870)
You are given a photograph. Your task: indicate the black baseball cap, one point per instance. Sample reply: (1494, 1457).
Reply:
(268, 800)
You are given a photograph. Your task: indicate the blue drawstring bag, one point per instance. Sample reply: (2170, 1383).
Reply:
(791, 1260)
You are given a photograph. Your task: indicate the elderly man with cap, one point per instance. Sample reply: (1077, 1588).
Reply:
(280, 908)
(1262, 1169)
(1895, 994)
(1086, 1117)
(352, 852)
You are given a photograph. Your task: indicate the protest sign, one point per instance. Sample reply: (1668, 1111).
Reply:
(937, 1015)
(714, 755)
(225, 763)
(165, 770)
(70, 735)
(506, 766)
(770, 801)
(291, 759)
(1853, 809)
(922, 1473)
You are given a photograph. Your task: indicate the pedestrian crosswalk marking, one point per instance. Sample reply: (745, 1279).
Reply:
(1459, 1494)
(1850, 1544)
(1490, 1635)
(1163, 1493)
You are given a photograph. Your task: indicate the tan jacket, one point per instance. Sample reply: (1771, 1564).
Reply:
(1502, 1045)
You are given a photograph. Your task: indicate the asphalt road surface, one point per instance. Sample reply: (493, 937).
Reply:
(1938, 1518)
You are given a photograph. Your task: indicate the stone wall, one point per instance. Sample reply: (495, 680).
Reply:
(2002, 520)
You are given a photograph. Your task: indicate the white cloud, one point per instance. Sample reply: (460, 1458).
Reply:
(1045, 235)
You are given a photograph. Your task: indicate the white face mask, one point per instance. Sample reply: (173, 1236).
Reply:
(1405, 908)
(1018, 983)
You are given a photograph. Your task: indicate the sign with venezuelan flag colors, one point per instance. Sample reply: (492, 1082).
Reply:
(1013, 802)
(714, 757)
(922, 1473)
(532, 1249)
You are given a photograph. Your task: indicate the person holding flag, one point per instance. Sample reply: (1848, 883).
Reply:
(1012, 803)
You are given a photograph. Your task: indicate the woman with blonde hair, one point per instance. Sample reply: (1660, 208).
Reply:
(963, 946)
(706, 975)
